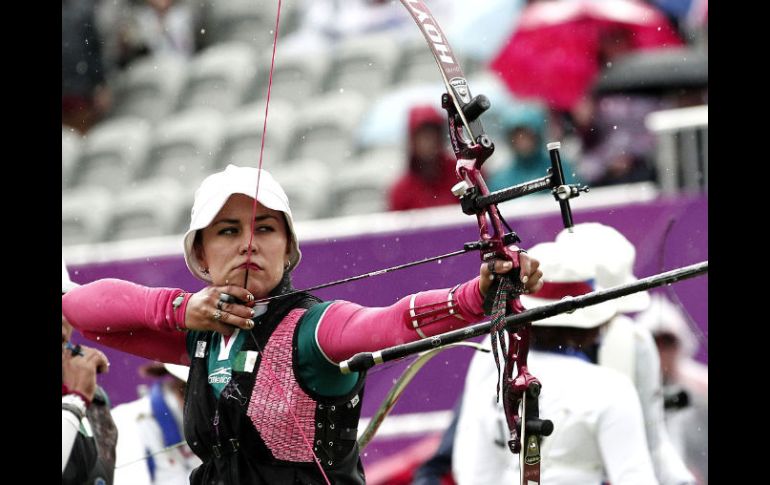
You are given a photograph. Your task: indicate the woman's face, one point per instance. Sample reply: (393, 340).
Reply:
(223, 246)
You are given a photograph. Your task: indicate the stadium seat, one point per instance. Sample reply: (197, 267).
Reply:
(243, 135)
(249, 21)
(363, 64)
(306, 183)
(150, 209)
(363, 187)
(416, 64)
(218, 77)
(112, 153)
(296, 77)
(323, 130)
(150, 88)
(84, 215)
(185, 146)
(70, 151)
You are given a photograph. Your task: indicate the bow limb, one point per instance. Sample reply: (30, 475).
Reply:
(398, 388)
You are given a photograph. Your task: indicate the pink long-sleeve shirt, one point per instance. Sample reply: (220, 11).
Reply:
(143, 321)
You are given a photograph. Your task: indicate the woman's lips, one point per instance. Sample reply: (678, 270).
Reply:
(251, 266)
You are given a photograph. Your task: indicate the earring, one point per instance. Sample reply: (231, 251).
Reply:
(205, 271)
(286, 266)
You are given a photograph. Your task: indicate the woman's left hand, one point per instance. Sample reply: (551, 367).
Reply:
(530, 275)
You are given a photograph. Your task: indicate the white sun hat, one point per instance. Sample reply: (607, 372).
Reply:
(214, 192)
(178, 371)
(662, 316)
(614, 256)
(565, 274)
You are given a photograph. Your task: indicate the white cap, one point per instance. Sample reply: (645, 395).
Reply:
(214, 192)
(178, 371)
(565, 274)
(662, 316)
(614, 257)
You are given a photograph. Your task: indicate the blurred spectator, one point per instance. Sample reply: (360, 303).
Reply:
(157, 27)
(617, 146)
(625, 347)
(690, 17)
(88, 432)
(525, 128)
(431, 169)
(85, 95)
(598, 422)
(685, 382)
(151, 424)
(629, 348)
(615, 41)
(324, 22)
(558, 48)
(697, 23)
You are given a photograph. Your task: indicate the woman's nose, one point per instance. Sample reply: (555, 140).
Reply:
(245, 245)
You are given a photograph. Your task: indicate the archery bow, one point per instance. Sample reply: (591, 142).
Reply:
(472, 147)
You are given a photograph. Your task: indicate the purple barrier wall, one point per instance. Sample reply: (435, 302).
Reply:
(440, 383)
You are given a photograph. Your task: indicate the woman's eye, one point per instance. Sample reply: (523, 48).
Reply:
(264, 229)
(228, 230)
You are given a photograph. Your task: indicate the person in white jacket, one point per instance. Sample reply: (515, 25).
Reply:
(598, 432)
(630, 348)
(686, 417)
(151, 448)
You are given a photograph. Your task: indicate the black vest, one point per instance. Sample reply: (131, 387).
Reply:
(233, 452)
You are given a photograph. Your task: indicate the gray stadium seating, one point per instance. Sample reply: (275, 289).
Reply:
(84, 215)
(323, 130)
(218, 77)
(363, 64)
(243, 135)
(112, 153)
(149, 209)
(185, 146)
(70, 151)
(150, 88)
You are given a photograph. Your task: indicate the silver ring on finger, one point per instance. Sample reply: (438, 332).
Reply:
(220, 304)
(217, 316)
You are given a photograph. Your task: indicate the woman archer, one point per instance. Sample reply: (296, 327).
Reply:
(265, 400)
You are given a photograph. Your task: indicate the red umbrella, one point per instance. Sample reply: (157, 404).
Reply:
(556, 51)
